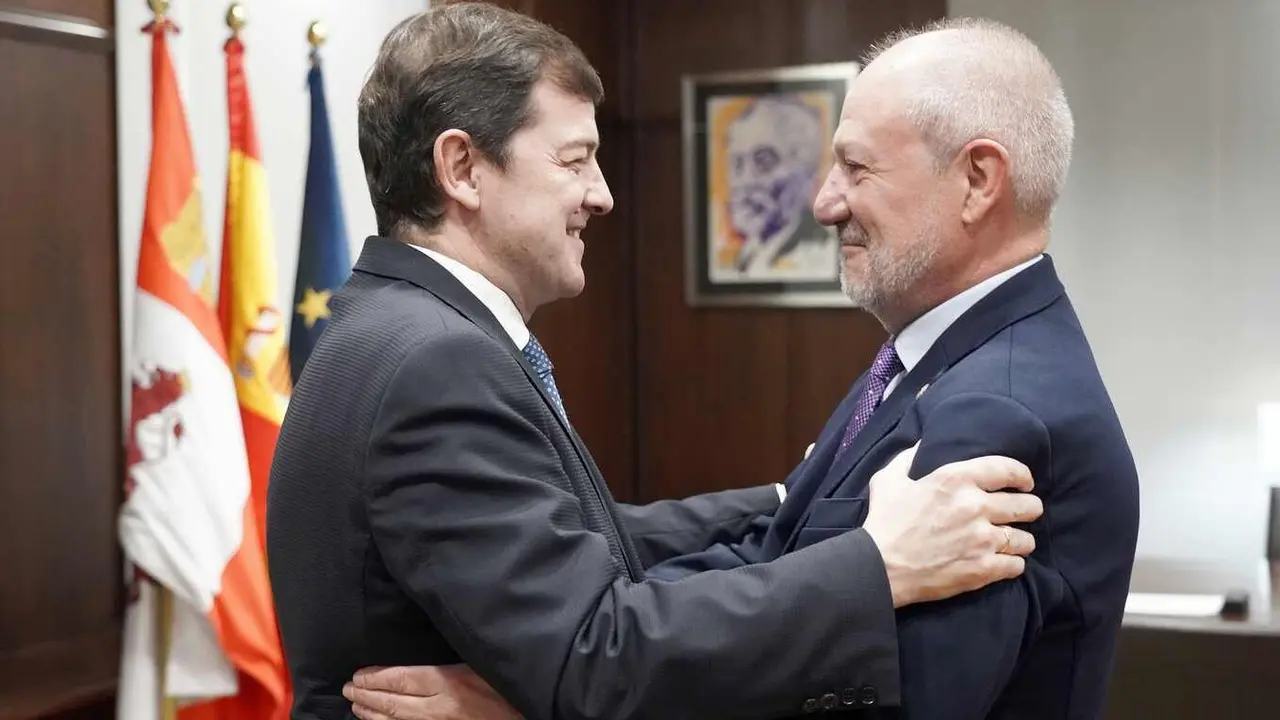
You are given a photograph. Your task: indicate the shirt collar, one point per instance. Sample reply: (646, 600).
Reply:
(916, 339)
(490, 295)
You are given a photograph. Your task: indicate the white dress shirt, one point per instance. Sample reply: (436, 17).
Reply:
(916, 339)
(491, 296)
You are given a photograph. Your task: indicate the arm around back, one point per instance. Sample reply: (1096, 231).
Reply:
(473, 511)
(668, 528)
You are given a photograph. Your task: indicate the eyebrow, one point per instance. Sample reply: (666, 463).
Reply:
(850, 150)
(589, 145)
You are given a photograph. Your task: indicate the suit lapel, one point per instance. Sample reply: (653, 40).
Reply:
(881, 422)
(1026, 293)
(392, 259)
(885, 417)
(828, 443)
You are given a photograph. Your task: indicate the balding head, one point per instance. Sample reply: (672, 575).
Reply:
(963, 79)
(952, 148)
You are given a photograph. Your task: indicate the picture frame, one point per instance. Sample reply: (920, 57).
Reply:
(757, 146)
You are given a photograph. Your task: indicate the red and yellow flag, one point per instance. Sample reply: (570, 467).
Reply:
(248, 308)
(200, 630)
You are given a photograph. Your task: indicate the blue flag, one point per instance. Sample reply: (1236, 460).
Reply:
(324, 259)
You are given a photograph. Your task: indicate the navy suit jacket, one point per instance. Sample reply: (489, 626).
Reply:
(1013, 376)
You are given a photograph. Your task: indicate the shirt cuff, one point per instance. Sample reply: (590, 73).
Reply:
(782, 492)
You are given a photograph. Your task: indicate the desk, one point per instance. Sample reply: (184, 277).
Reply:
(1172, 668)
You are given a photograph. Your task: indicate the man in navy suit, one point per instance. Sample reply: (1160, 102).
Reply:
(952, 149)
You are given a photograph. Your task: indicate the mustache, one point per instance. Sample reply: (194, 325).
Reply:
(851, 233)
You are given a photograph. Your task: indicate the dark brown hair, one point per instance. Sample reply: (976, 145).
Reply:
(465, 65)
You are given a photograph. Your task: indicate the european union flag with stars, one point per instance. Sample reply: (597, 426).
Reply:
(324, 257)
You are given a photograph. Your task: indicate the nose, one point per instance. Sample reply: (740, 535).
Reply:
(830, 206)
(599, 200)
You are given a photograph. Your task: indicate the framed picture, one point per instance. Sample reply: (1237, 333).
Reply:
(757, 146)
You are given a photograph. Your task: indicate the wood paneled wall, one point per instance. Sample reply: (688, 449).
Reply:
(674, 400)
(60, 414)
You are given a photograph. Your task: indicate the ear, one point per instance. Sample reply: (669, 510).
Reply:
(455, 161)
(986, 167)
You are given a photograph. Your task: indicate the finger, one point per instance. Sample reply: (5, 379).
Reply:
(1000, 537)
(1003, 508)
(362, 676)
(1001, 567)
(421, 680)
(1019, 542)
(993, 472)
(383, 702)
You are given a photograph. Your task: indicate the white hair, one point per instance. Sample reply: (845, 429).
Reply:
(992, 82)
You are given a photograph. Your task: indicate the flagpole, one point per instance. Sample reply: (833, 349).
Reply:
(324, 262)
(164, 598)
(317, 33)
(237, 18)
(164, 635)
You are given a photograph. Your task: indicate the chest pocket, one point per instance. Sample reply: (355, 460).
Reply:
(831, 517)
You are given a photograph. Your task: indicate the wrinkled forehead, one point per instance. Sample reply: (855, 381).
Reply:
(873, 116)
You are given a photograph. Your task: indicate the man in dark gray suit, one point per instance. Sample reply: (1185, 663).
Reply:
(430, 503)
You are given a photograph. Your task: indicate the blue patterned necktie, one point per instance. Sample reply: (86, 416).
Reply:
(541, 363)
(886, 367)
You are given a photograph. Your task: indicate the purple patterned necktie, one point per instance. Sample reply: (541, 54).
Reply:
(885, 368)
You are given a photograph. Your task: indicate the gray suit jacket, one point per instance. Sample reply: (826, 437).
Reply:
(428, 506)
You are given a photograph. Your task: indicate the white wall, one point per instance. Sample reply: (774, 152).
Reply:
(277, 64)
(1169, 241)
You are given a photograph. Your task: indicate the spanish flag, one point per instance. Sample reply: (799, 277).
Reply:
(200, 633)
(248, 299)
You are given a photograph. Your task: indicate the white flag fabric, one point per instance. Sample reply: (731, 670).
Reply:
(187, 527)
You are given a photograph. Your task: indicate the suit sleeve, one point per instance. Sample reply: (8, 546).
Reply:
(467, 508)
(959, 654)
(668, 528)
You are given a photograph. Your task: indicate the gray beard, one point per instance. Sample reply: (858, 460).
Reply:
(889, 278)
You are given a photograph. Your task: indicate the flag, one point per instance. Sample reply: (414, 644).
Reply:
(248, 304)
(324, 260)
(187, 527)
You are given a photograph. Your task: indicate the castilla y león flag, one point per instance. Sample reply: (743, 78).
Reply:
(188, 527)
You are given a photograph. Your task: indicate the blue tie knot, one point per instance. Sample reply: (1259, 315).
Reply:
(541, 363)
(537, 357)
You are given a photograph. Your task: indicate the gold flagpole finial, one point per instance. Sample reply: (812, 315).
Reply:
(237, 18)
(317, 33)
(158, 7)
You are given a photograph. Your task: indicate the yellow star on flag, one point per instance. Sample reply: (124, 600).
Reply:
(314, 305)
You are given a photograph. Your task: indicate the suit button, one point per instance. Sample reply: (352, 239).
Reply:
(849, 697)
(829, 701)
(867, 696)
(809, 706)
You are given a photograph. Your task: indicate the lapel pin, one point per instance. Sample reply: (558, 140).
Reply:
(921, 391)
